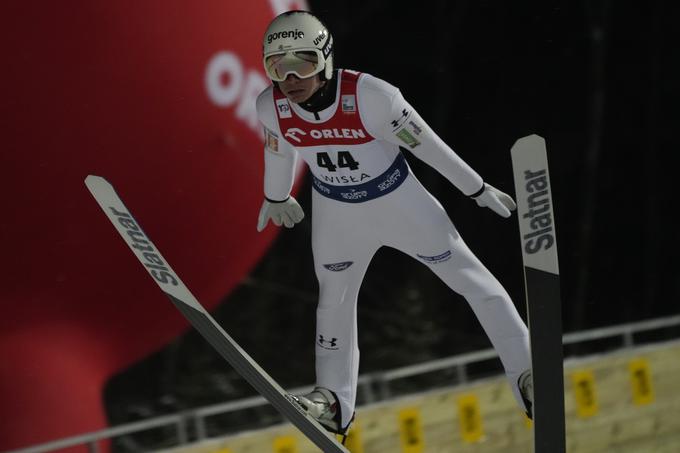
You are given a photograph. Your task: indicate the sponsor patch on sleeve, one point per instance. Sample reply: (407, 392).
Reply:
(271, 141)
(406, 129)
(407, 137)
(414, 128)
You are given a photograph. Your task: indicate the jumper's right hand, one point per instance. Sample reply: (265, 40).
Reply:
(287, 212)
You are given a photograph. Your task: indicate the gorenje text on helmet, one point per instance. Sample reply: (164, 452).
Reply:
(295, 34)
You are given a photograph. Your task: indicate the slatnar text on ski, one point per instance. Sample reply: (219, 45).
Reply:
(539, 212)
(154, 262)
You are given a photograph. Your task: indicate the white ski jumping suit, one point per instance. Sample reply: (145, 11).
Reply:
(365, 197)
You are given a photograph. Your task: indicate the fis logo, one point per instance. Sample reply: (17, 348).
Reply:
(349, 103)
(295, 34)
(539, 212)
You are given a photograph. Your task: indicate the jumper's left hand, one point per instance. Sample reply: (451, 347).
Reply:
(286, 212)
(499, 202)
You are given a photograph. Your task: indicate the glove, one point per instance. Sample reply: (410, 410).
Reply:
(492, 198)
(287, 212)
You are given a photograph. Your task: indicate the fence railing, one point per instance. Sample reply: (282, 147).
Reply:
(366, 385)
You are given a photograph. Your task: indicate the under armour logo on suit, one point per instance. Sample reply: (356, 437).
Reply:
(399, 121)
(328, 344)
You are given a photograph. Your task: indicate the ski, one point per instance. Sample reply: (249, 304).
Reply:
(542, 286)
(170, 283)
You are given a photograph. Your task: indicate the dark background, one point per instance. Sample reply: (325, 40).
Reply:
(598, 79)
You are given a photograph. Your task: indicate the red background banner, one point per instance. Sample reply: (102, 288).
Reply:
(157, 97)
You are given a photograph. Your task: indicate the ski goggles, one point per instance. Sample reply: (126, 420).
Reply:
(302, 63)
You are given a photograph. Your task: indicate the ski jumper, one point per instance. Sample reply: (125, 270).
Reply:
(365, 197)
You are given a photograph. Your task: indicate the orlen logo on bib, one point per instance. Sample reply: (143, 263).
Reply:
(319, 134)
(292, 134)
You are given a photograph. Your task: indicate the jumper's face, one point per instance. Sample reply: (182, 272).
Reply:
(299, 90)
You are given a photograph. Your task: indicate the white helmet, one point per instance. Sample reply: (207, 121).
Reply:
(296, 42)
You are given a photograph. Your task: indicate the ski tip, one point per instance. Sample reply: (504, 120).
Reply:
(529, 143)
(533, 138)
(91, 180)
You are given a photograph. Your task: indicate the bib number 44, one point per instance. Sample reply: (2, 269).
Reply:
(345, 160)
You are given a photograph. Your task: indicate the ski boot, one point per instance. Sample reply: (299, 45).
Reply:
(525, 383)
(322, 405)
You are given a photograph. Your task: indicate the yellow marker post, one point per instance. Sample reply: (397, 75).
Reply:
(354, 442)
(641, 381)
(584, 391)
(285, 444)
(470, 418)
(411, 429)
